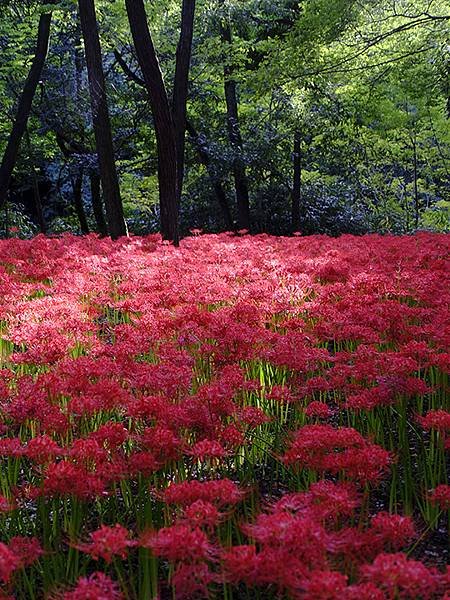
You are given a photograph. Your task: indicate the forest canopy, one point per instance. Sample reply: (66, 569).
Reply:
(310, 116)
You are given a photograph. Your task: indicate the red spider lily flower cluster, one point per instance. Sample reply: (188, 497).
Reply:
(20, 552)
(397, 576)
(438, 420)
(234, 416)
(324, 448)
(441, 496)
(97, 586)
(107, 542)
(220, 492)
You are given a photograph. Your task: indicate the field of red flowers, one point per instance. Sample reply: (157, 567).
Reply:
(239, 418)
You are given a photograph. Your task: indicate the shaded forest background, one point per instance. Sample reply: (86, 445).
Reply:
(312, 116)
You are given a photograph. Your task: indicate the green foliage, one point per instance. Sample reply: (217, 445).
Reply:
(365, 83)
(15, 223)
(437, 217)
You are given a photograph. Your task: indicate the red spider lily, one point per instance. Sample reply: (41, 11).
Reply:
(6, 504)
(27, 550)
(107, 542)
(393, 530)
(88, 453)
(111, 435)
(300, 535)
(318, 409)
(363, 591)
(353, 545)
(97, 586)
(217, 351)
(220, 492)
(244, 564)
(180, 542)
(103, 395)
(66, 478)
(442, 361)
(315, 384)
(252, 416)
(11, 447)
(291, 351)
(216, 397)
(201, 513)
(147, 407)
(326, 449)
(232, 437)
(163, 442)
(170, 379)
(142, 463)
(207, 450)
(280, 393)
(323, 585)
(444, 582)
(192, 581)
(42, 449)
(332, 272)
(9, 562)
(400, 577)
(436, 419)
(240, 563)
(31, 402)
(323, 500)
(387, 532)
(368, 399)
(441, 496)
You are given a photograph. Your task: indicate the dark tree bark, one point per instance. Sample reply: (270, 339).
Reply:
(205, 159)
(296, 188)
(415, 184)
(24, 105)
(447, 88)
(77, 182)
(234, 134)
(162, 115)
(67, 145)
(101, 120)
(70, 148)
(78, 60)
(181, 84)
(77, 186)
(97, 205)
(36, 193)
(38, 205)
(199, 144)
(126, 69)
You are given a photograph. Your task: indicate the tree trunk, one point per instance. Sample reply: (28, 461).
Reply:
(69, 147)
(24, 105)
(205, 159)
(162, 115)
(180, 88)
(6, 220)
(79, 63)
(77, 182)
(77, 186)
(234, 134)
(38, 205)
(36, 194)
(415, 183)
(200, 146)
(97, 205)
(296, 188)
(101, 120)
